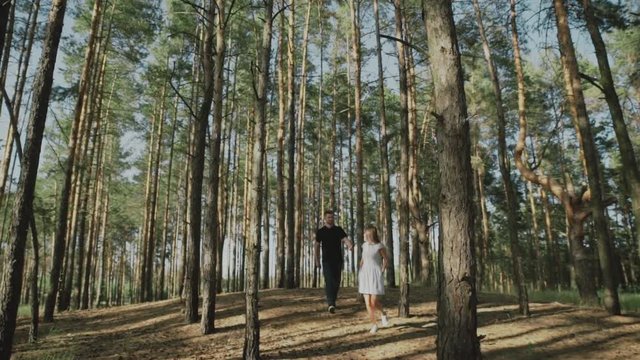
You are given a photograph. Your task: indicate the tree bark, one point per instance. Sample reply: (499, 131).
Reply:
(280, 197)
(23, 210)
(63, 209)
(197, 174)
(252, 329)
(403, 178)
(457, 321)
(572, 203)
(630, 169)
(592, 159)
(290, 265)
(212, 221)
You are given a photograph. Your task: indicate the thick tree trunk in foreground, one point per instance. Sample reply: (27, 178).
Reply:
(457, 321)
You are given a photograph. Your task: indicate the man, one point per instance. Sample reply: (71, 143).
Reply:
(331, 237)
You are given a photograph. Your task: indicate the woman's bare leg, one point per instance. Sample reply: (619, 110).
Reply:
(376, 304)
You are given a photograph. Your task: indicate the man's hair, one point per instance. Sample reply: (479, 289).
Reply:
(327, 212)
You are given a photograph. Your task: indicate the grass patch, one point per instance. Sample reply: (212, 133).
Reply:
(629, 301)
(24, 311)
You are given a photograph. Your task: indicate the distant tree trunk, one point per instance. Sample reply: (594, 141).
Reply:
(280, 197)
(261, 81)
(457, 321)
(631, 172)
(63, 209)
(505, 172)
(403, 178)
(483, 257)
(264, 251)
(387, 206)
(592, 159)
(23, 210)
(185, 223)
(290, 266)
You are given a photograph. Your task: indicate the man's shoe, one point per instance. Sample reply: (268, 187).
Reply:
(332, 309)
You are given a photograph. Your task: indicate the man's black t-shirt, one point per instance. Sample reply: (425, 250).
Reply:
(331, 240)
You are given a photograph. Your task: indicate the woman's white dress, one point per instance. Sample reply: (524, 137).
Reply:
(370, 278)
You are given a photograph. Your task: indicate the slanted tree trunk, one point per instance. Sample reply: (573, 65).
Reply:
(35, 300)
(592, 159)
(252, 329)
(631, 172)
(457, 321)
(505, 172)
(22, 212)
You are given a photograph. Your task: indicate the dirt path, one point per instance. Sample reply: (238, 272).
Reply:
(295, 325)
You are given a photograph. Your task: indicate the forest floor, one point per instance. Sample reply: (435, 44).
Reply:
(296, 325)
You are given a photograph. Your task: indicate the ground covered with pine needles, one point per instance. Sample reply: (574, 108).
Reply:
(296, 325)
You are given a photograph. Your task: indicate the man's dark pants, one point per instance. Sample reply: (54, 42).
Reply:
(332, 273)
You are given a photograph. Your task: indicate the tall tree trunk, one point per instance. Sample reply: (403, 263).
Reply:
(387, 233)
(22, 212)
(505, 172)
(197, 171)
(403, 178)
(300, 150)
(579, 113)
(252, 329)
(457, 321)
(280, 197)
(630, 171)
(160, 292)
(290, 265)
(576, 214)
(63, 209)
(212, 221)
(152, 227)
(354, 6)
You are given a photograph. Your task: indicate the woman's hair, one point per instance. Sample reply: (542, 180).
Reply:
(371, 229)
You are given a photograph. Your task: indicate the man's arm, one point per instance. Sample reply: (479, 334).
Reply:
(316, 246)
(349, 243)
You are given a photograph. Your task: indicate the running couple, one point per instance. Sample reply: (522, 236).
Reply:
(373, 263)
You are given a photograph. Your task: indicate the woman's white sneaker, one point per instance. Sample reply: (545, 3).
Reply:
(384, 321)
(374, 329)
